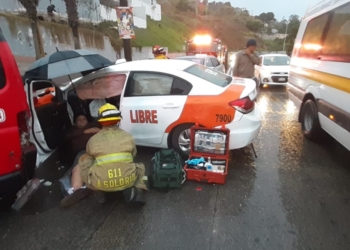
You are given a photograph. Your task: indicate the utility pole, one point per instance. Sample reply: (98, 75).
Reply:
(126, 41)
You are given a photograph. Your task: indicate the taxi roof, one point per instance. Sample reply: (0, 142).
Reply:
(153, 64)
(196, 56)
(140, 65)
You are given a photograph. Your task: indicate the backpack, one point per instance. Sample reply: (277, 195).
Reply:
(167, 169)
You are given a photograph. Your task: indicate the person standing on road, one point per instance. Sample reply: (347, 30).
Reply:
(246, 60)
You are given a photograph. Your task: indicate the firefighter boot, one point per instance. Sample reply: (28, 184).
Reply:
(135, 195)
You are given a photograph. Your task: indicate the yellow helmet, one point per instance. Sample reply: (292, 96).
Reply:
(109, 112)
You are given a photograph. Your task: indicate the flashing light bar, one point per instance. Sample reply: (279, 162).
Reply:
(202, 40)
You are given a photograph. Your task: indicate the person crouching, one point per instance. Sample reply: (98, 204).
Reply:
(108, 165)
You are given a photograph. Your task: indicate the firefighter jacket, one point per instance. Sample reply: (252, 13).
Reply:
(161, 56)
(108, 161)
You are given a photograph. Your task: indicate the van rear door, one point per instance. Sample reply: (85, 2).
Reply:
(14, 112)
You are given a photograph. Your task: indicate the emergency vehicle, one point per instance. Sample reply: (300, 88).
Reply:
(319, 81)
(17, 153)
(206, 44)
(159, 100)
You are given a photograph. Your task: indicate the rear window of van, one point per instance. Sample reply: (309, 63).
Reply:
(2, 71)
(209, 75)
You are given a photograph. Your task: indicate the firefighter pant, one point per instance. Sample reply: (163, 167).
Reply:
(140, 181)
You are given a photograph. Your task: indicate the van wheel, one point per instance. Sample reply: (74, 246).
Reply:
(180, 140)
(310, 124)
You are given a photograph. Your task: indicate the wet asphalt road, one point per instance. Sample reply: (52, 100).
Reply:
(295, 195)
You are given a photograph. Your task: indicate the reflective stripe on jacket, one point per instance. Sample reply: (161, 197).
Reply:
(113, 158)
(110, 164)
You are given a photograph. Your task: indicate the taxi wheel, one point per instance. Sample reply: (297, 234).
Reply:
(310, 123)
(180, 139)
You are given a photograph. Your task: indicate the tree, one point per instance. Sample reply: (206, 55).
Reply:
(184, 5)
(292, 32)
(73, 20)
(274, 45)
(91, 8)
(30, 6)
(269, 30)
(254, 25)
(266, 17)
(294, 18)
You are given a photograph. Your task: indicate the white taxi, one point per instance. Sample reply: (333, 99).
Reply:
(159, 99)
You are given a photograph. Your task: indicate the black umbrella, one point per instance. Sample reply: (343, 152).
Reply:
(66, 63)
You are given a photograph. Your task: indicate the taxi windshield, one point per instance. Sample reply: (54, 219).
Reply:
(209, 75)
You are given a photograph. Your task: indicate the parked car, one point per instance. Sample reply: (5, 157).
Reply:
(159, 99)
(17, 153)
(206, 60)
(319, 83)
(274, 69)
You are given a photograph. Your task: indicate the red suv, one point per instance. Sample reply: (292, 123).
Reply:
(17, 153)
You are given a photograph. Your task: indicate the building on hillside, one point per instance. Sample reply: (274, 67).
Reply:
(94, 11)
(153, 10)
(274, 36)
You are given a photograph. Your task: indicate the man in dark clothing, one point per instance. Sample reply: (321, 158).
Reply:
(78, 136)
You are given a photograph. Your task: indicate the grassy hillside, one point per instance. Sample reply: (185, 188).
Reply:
(176, 26)
(168, 33)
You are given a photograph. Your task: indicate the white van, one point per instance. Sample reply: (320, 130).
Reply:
(319, 82)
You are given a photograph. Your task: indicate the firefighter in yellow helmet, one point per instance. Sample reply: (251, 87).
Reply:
(159, 52)
(108, 164)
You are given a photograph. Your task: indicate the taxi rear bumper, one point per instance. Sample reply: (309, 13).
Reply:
(246, 130)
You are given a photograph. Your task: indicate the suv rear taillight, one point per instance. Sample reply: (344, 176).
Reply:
(24, 129)
(244, 105)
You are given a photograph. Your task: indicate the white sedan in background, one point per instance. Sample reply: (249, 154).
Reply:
(274, 69)
(206, 60)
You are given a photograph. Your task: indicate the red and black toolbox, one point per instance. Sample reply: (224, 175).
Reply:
(213, 143)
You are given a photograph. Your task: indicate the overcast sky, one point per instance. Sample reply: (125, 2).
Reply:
(281, 8)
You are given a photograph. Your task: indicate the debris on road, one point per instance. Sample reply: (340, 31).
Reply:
(47, 183)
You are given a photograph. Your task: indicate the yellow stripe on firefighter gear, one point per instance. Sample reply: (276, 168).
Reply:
(114, 158)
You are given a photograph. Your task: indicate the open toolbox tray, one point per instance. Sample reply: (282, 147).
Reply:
(213, 143)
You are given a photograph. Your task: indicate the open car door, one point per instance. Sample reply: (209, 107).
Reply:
(50, 117)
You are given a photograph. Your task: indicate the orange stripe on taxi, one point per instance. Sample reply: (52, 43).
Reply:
(209, 111)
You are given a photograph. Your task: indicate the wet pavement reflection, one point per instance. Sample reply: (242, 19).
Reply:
(294, 195)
